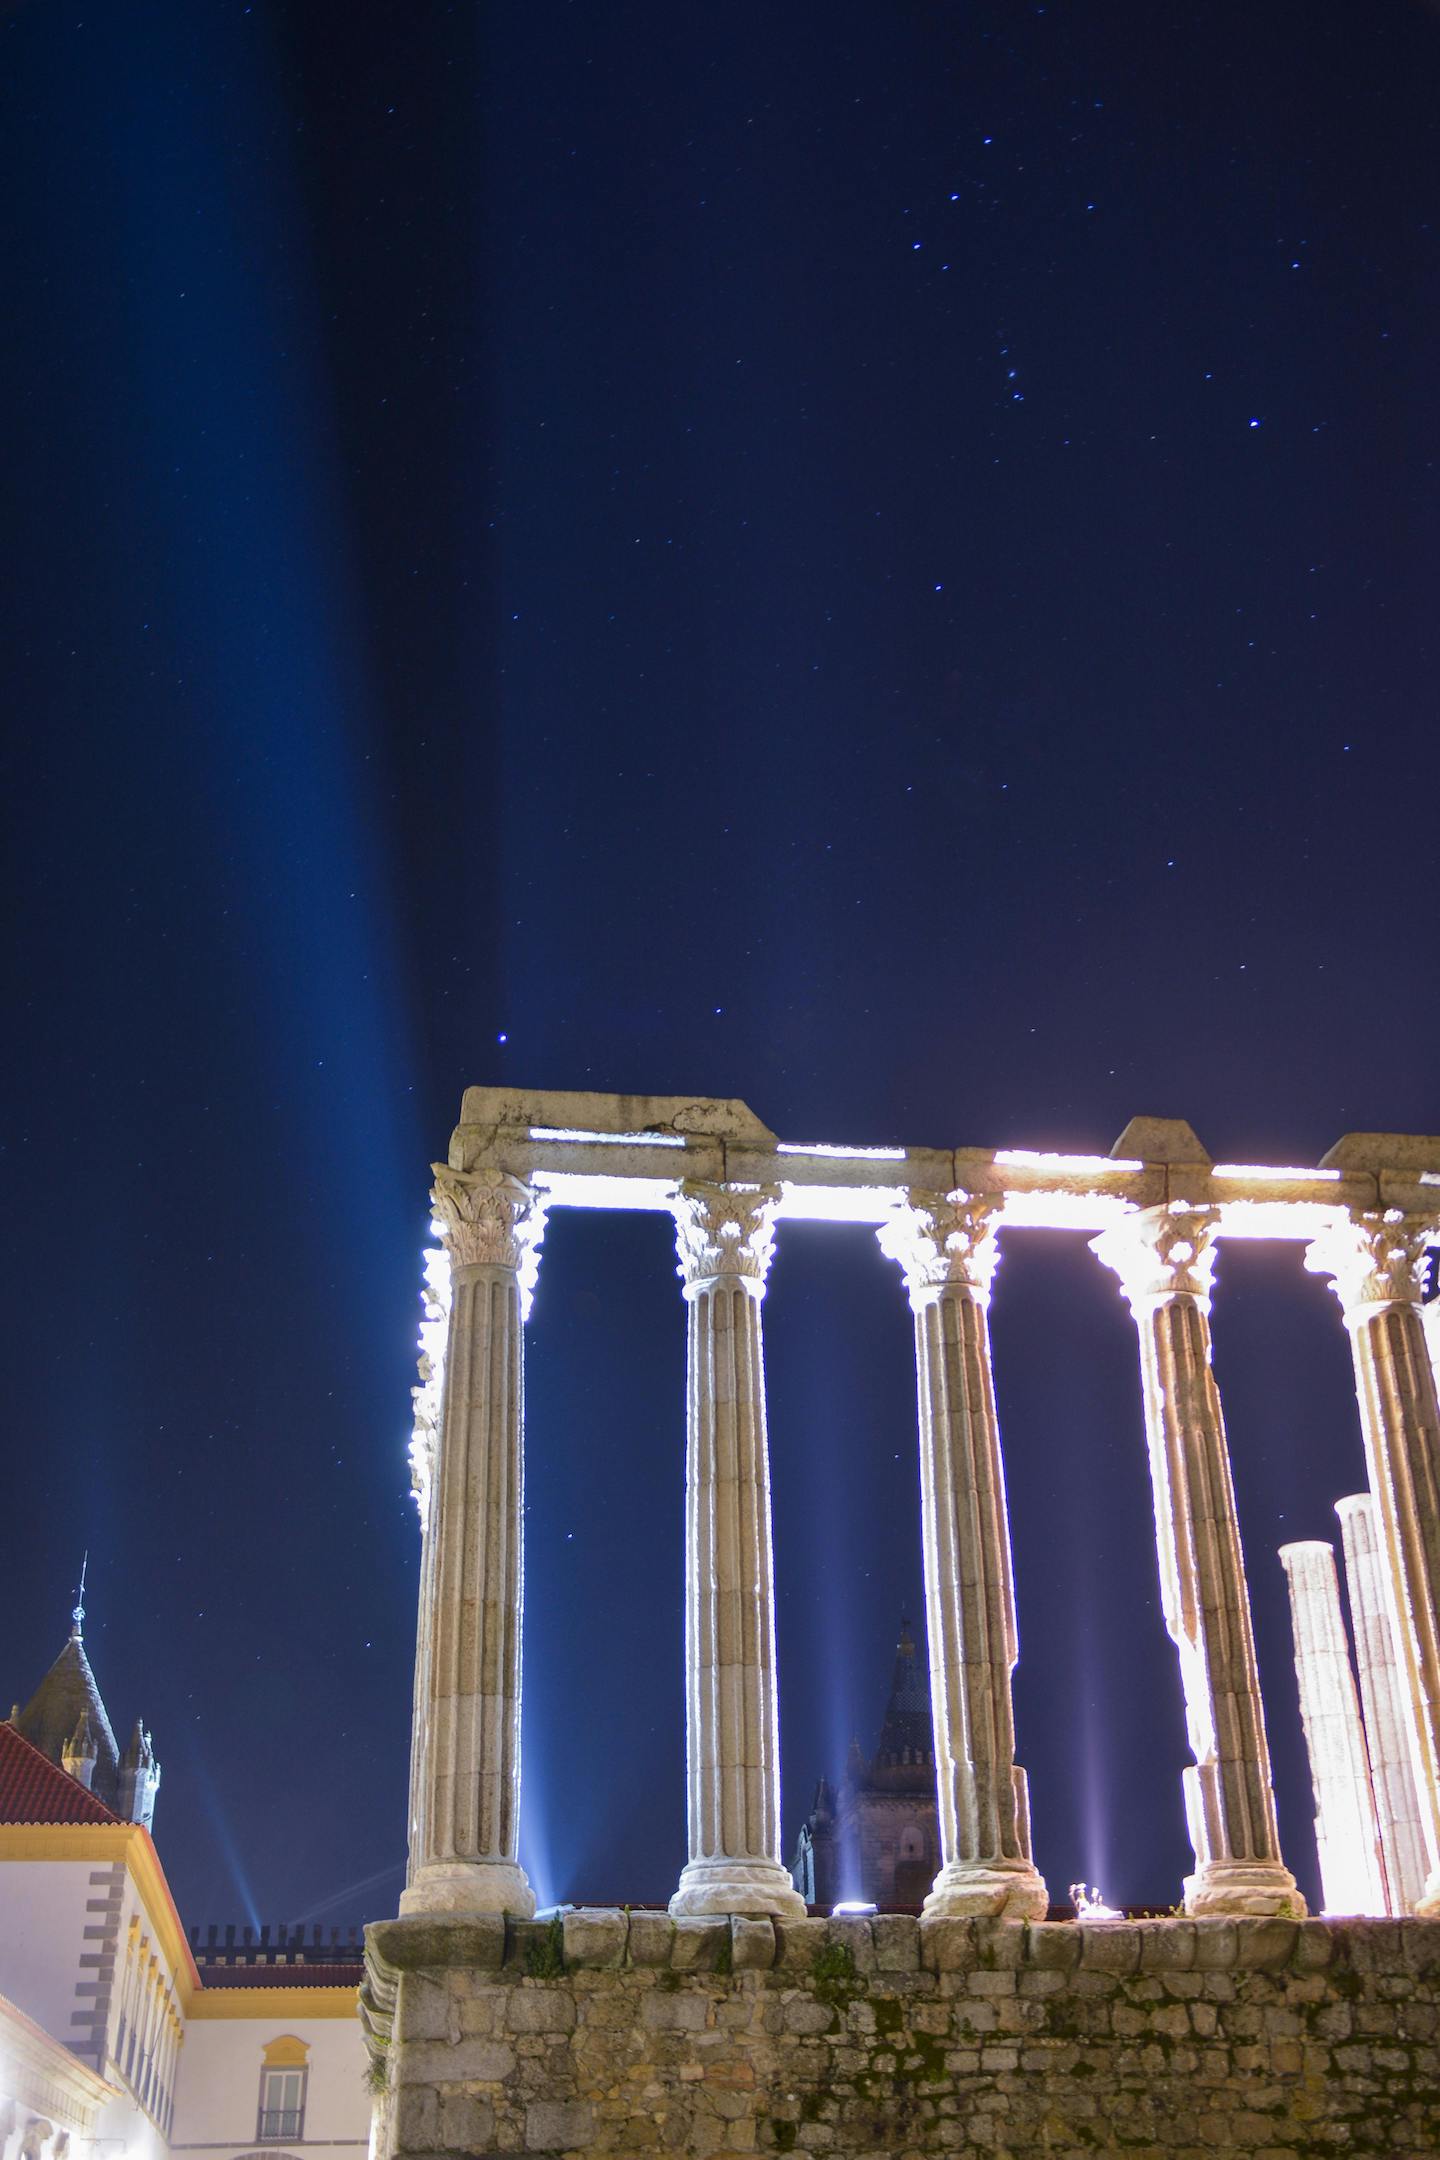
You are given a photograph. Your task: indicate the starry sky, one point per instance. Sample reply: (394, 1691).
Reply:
(879, 560)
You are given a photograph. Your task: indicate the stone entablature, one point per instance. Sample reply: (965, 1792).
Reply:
(627, 2033)
(1156, 1208)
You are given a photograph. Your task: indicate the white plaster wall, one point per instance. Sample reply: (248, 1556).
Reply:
(42, 1924)
(131, 1903)
(219, 2083)
(138, 2138)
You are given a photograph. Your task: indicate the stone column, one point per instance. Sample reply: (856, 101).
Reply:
(1430, 1316)
(725, 1238)
(946, 1244)
(1392, 1779)
(427, 1400)
(1345, 1830)
(1375, 1260)
(468, 1812)
(1165, 1259)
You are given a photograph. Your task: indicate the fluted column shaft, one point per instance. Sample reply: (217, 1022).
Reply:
(946, 1244)
(1165, 1260)
(1345, 1828)
(725, 1239)
(470, 1641)
(1374, 1260)
(427, 1400)
(1392, 1776)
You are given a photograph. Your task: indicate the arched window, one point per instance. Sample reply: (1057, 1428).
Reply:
(284, 2072)
(912, 1844)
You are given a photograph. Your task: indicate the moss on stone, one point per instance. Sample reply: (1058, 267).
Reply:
(545, 1956)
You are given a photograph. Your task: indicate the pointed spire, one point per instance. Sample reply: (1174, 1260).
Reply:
(81, 1751)
(52, 1718)
(139, 1778)
(906, 1740)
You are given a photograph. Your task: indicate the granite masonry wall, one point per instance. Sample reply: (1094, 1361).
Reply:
(626, 2033)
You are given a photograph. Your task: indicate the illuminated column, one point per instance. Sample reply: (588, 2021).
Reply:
(1393, 1780)
(1430, 1315)
(467, 1860)
(946, 1244)
(1165, 1260)
(1345, 1831)
(427, 1400)
(1375, 1261)
(725, 1238)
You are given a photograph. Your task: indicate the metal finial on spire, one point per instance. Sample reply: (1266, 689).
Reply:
(77, 1613)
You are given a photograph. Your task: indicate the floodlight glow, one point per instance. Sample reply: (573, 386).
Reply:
(1089, 1905)
(591, 1189)
(836, 1203)
(1275, 1218)
(428, 1396)
(1259, 1170)
(852, 1908)
(606, 1139)
(1064, 1165)
(840, 1154)
(1041, 1210)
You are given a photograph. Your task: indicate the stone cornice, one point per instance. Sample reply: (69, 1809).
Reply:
(601, 1151)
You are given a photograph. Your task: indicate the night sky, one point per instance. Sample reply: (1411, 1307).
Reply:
(880, 560)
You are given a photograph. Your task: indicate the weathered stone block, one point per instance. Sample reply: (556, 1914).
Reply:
(1265, 1945)
(595, 1936)
(1371, 1945)
(1166, 1945)
(752, 1944)
(1214, 1945)
(1314, 1947)
(433, 2062)
(423, 2009)
(465, 2122)
(1107, 1948)
(438, 1942)
(799, 1942)
(699, 1945)
(948, 1945)
(416, 2118)
(687, 2011)
(1053, 1945)
(540, 2008)
(896, 1937)
(554, 2125)
(649, 1938)
(853, 1933)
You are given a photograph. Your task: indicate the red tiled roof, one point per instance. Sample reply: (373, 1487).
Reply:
(35, 1790)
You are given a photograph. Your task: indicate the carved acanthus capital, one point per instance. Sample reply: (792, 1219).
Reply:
(1162, 1252)
(486, 1218)
(1374, 1258)
(945, 1240)
(725, 1232)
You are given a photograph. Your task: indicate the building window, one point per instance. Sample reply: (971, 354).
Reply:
(283, 2075)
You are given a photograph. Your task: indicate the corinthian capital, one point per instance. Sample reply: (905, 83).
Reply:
(726, 1231)
(1374, 1258)
(487, 1219)
(944, 1239)
(1162, 1252)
